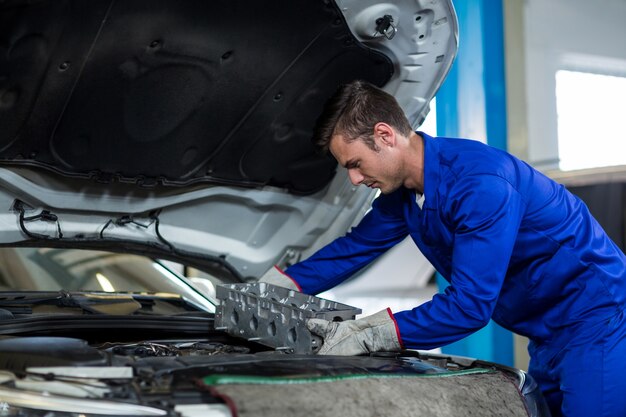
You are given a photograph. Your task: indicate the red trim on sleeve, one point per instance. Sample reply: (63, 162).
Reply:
(294, 281)
(397, 328)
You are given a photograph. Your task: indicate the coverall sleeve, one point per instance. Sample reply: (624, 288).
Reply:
(484, 212)
(380, 229)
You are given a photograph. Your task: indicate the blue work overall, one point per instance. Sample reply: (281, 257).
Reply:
(516, 247)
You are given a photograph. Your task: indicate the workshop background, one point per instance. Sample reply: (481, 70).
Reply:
(545, 80)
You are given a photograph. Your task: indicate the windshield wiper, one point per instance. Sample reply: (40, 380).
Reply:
(116, 304)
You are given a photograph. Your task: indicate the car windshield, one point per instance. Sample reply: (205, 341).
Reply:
(47, 269)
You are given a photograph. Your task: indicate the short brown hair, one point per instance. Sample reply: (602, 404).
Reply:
(353, 110)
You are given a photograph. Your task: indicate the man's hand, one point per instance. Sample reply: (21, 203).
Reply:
(374, 333)
(275, 276)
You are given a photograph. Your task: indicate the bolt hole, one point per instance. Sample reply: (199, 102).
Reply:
(234, 317)
(254, 323)
(271, 329)
(155, 43)
(292, 336)
(421, 36)
(418, 18)
(278, 97)
(65, 65)
(227, 54)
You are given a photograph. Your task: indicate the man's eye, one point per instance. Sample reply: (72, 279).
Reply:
(353, 164)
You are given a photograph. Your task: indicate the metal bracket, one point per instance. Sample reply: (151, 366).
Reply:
(385, 27)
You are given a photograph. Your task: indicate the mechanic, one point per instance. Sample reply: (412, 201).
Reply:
(515, 246)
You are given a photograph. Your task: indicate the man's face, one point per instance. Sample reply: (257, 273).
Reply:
(373, 168)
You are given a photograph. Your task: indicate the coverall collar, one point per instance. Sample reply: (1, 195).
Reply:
(431, 170)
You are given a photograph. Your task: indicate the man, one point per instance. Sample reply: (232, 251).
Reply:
(514, 245)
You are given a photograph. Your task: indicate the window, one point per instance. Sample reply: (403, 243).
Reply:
(591, 117)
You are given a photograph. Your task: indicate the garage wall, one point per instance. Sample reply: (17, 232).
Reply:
(582, 35)
(542, 37)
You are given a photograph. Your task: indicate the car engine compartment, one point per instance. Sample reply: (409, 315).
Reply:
(166, 377)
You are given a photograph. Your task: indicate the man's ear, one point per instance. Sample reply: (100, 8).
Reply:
(384, 134)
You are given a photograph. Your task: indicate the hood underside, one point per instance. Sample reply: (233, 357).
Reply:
(181, 129)
(171, 92)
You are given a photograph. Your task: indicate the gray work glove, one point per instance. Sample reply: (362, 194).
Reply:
(276, 276)
(374, 333)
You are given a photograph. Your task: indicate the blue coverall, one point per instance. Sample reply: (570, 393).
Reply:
(516, 247)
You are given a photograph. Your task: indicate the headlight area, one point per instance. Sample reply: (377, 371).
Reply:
(21, 404)
(535, 402)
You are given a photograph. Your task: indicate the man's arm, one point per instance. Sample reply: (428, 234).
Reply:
(378, 231)
(486, 212)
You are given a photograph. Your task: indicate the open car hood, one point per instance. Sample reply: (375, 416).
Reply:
(183, 128)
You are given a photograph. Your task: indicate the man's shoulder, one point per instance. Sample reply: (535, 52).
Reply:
(464, 157)
(464, 148)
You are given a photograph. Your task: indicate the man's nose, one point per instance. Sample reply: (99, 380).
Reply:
(355, 176)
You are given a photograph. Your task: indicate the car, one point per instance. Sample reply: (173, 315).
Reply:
(152, 150)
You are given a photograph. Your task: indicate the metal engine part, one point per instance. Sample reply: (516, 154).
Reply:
(275, 316)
